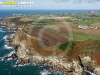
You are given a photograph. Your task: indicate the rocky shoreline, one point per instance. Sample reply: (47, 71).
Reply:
(54, 62)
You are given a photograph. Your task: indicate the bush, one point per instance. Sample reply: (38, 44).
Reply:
(67, 45)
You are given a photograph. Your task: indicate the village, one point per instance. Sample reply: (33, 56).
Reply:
(87, 27)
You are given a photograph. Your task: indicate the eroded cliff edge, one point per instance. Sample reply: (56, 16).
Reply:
(72, 62)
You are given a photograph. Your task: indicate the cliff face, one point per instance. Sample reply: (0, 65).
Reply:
(28, 44)
(32, 49)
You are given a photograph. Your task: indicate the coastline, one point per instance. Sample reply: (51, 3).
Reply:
(54, 62)
(26, 49)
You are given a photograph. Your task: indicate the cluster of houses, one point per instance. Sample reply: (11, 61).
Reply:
(93, 13)
(87, 27)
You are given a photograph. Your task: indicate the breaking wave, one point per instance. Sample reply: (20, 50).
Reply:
(7, 47)
(45, 72)
(5, 37)
(8, 55)
(89, 73)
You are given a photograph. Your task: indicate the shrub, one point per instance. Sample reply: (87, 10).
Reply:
(67, 45)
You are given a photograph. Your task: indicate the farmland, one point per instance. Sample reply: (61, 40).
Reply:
(51, 37)
(82, 37)
(58, 37)
(56, 31)
(84, 19)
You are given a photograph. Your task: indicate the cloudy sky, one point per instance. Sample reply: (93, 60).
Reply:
(60, 4)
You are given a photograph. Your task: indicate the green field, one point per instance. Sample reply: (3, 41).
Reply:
(84, 19)
(82, 37)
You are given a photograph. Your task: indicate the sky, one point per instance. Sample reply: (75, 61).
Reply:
(58, 4)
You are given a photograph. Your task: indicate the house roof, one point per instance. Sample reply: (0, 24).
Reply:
(25, 19)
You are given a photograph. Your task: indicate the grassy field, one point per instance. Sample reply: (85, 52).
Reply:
(67, 45)
(82, 37)
(84, 19)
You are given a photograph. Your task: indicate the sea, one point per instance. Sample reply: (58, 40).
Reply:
(8, 67)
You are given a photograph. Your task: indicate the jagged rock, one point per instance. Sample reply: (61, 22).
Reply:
(13, 56)
(8, 38)
(5, 58)
(22, 62)
(16, 46)
(54, 61)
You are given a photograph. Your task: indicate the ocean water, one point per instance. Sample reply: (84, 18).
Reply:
(7, 67)
(4, 13)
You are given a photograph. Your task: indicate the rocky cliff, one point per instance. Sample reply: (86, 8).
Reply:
(84, 57)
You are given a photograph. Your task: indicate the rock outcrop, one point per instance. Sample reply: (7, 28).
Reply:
(28, 50)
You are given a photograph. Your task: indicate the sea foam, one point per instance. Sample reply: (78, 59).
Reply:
(21, 65)
(45, 72)
(7, 55)
(6, 42)
(5, 37)
(1, 30)
(7, 47)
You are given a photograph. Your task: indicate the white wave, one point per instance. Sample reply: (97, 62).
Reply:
(6, 42)
(8, 55)
(2, 31)
(7, 47)
(5, 37)
(45, 72)
(91, 73)
(9, 59)
(23, 65)
(20, 65)
(41, 66)
(4, 26)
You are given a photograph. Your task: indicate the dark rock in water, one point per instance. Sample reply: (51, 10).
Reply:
(91, 69)
(18, 62)
(87, 73)
(5, 58)
(13, 56)
(22, 62)
(48, 67)
(28, 61)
